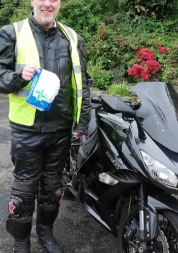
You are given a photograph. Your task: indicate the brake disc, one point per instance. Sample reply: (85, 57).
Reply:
(162, 238)
(132, 250)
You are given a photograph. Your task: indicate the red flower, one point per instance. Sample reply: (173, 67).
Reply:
(144, 74)
(145, 68)
(140, 49)
(146, 56)
(144, 53)
(162, 49)
(138, 70)
(151, 66)
(135, 70)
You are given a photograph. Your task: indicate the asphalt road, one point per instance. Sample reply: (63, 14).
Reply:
(76, 230)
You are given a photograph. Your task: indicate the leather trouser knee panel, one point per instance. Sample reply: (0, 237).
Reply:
(19, 228)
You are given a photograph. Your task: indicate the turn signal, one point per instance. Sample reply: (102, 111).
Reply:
(107, 179)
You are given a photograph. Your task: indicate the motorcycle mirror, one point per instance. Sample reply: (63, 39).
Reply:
(116, 105)
(96, 100)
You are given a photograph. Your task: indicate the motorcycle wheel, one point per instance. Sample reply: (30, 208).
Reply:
(166, 241)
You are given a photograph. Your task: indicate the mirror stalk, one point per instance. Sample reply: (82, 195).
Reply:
(141, 133)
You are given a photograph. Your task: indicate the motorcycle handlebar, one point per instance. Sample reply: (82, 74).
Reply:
(96, 100)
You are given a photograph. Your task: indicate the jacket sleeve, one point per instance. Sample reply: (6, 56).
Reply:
(85, 115)
(10, 80)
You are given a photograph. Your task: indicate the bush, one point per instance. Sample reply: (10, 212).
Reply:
(102, 32)
(7, 9)
(85, 16)
(102, 78)
(22, 12)
(78, 15)
(155, 8)
(113, 30)
(118, 51)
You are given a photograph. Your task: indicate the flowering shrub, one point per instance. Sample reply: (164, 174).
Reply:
(148, 64)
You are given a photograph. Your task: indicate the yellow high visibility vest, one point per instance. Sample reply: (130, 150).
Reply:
(26, 53)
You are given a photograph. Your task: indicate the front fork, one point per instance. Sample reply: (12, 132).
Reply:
(148, 223)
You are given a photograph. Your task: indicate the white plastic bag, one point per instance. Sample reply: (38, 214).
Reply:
(44, 87)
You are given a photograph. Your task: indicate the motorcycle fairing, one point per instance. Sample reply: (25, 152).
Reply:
(92, 125)
(161, 201)
(157, 113)
(88, 143)
(86, 149)
(131, 151)
(151, 148)
(114, 125)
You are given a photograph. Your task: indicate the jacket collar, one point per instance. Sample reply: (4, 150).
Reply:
(51, 32)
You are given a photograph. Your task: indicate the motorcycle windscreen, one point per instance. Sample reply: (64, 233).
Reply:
(158, 112)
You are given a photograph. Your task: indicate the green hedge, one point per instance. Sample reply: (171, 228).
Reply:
(113, 30)
(118, 49)
(7, 9)
(159, 9)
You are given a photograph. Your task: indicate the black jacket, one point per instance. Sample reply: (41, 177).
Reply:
(54, 53)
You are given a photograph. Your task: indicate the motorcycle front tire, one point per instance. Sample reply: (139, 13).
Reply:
(170, 216)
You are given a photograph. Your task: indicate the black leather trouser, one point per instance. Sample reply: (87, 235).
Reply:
(39, 160)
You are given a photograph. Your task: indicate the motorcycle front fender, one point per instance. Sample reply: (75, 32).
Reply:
(162, 201)
(156, 203)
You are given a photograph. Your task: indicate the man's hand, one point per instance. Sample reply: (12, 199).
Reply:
(28, 72)
(78, 134)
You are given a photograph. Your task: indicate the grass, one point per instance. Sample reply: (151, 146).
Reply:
(122, 89)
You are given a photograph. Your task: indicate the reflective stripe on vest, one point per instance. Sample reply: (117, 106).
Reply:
(26, 53)
(71, 35)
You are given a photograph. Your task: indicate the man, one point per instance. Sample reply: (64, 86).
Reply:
(41, 139)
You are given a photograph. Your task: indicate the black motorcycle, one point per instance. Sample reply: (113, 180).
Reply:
(125, 172)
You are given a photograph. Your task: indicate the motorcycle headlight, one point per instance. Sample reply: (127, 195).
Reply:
(158, 171)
